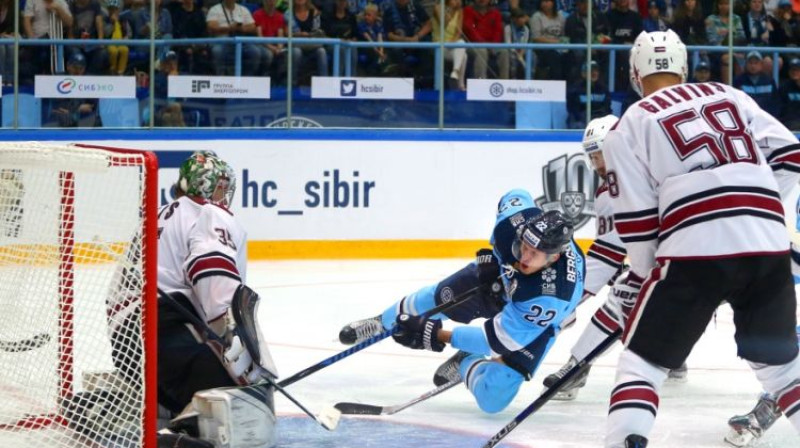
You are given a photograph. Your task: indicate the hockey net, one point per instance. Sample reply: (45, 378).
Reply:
(77, 296)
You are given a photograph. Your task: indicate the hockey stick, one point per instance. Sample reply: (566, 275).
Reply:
(458, 300)
(552, 390)
(24, 345)
(368, 409)
(328, 421)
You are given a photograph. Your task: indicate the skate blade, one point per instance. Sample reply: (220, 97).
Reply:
(678, 379)
(566, 395)
(739, 439)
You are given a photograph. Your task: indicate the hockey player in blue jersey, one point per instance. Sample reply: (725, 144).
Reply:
(530, 281)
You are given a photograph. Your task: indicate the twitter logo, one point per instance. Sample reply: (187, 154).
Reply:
(348, 87)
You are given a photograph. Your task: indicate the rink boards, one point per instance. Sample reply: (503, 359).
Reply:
(378, 193)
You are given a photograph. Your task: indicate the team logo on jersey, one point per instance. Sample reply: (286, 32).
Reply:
(446, 295)
(569, 184)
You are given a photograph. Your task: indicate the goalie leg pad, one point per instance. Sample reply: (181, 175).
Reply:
(236, 417)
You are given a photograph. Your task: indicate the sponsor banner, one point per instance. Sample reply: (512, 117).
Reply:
(362, 88)
(248, 87)
(66, 86)
(352, 190)
(515, 90)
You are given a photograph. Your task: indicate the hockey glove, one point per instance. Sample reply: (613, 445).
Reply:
(625, 292)
(418, 333)
(488, 268)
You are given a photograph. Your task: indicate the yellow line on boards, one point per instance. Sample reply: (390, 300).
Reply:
(296, 249)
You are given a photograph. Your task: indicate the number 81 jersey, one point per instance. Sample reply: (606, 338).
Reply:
(202, 254)
(688, 171)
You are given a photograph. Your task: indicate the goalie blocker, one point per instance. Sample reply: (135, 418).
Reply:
(205, 366)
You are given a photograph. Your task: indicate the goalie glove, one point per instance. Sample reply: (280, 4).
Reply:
(247, 357)
(418, 333)
(240, 364)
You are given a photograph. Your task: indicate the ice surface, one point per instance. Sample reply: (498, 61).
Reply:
(305, 303)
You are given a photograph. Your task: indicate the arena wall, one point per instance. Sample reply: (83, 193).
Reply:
(372, 193)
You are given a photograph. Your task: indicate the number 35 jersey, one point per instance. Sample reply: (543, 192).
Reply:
(202, 254)
(689, 174)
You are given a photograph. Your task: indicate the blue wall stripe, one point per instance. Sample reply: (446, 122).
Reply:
(293, 134)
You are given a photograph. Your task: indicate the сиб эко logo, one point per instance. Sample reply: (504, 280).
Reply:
(66, 85)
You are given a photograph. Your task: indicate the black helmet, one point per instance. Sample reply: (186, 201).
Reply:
(550, 232)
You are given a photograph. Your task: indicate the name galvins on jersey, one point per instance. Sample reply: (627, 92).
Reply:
(690, 177)
(202, 254)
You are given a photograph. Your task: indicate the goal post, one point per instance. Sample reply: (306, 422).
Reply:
(78, 297)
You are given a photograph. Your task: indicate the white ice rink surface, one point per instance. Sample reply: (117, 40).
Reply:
(305, 303)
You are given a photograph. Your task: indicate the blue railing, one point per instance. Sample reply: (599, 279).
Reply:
(345, 49)
(349, 46)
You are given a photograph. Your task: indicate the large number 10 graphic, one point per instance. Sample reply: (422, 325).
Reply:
(726, 139)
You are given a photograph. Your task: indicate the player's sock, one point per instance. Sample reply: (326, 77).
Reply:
(361, 330)
(789, 403)
(603, 323)
(634, 399)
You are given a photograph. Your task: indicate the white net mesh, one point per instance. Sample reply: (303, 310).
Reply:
(71, 294)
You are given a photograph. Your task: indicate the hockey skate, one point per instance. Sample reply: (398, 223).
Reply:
(569, 391)
(448, 371)
(361, 330)
(679, 375)
(748, 427)
(635, 441)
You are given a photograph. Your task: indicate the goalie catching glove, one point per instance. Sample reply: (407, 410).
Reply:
(418, 333)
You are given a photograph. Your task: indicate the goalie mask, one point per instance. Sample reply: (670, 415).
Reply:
(657, 52)
(205, 175)
(548, 232)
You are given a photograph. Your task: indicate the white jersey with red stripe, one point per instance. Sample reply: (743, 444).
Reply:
(690, 177)
(202, 254)
(606, 255)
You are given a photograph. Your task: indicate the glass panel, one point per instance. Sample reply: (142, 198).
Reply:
(337, 41)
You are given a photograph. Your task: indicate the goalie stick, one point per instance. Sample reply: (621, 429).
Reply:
(367, 409)
(328, 421)
(457, 300)
(552, 390)
(24, 345)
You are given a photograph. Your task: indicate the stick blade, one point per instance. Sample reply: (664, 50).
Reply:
(330, 418)
(358, 409)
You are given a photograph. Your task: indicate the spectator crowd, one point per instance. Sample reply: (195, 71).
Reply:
(755, 23)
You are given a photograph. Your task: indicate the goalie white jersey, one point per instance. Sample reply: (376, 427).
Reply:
(202, 254)
(707, 169)
(607, 253)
